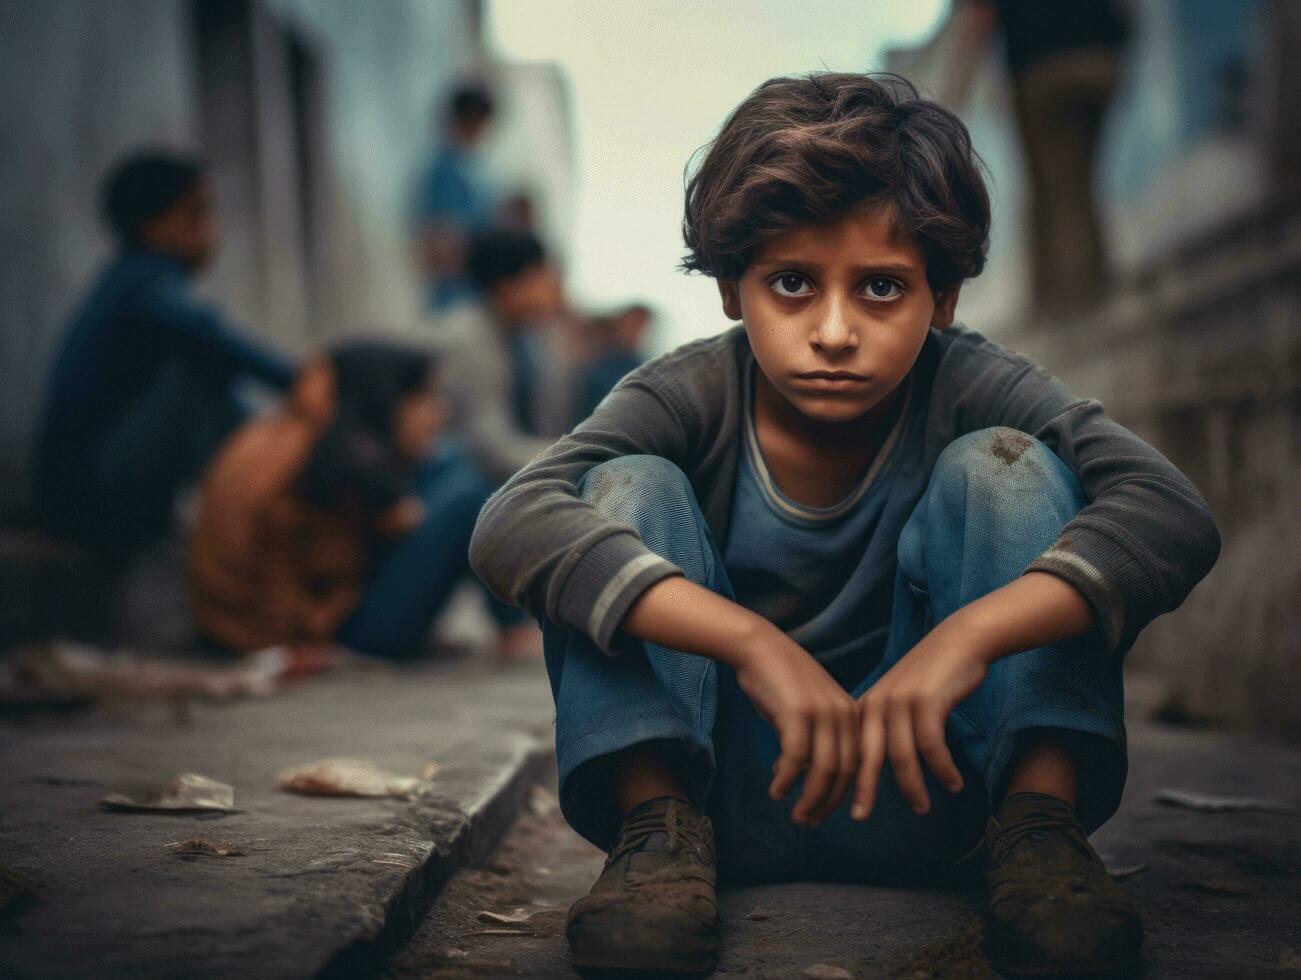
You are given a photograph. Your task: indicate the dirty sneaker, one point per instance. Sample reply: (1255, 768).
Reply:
(654, 908)
(1053, 909)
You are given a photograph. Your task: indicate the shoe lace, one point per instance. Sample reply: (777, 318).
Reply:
(636, 830)
(1000, 839)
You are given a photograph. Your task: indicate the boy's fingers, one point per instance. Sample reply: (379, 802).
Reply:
(820, 775)
(794, 753)
(930, 742)
(847, 769)
(869, 764)
(903, 760)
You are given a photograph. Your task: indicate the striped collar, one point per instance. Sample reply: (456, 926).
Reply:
(790, 508)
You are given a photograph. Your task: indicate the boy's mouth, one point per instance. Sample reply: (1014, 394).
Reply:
(829, 380)
(833, 375)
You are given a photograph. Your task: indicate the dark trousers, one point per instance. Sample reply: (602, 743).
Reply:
(122, 495)
(414, 576)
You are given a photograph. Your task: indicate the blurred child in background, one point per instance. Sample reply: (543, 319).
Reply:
(617, 346)
(339, 518)
(492, 364)
(455, 198)
(141, 391)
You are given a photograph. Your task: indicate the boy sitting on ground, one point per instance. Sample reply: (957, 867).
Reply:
(843, 538)
(493, 369)
(143, 386)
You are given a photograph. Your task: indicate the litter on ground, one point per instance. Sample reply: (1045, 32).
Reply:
(188, 792)
(1209, 803)
(348, 777)
(77, 671)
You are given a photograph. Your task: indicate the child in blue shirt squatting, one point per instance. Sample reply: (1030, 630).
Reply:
(843, 592)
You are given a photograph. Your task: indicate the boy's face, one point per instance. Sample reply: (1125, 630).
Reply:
(837, 314)
(419, 420)
(533, 295)
(187, 230)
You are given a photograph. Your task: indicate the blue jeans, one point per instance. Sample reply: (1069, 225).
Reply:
(414, 576)
(979, 523)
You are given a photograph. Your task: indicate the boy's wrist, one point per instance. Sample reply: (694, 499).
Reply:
(1030, 611)
(978, 632)
(743, 639)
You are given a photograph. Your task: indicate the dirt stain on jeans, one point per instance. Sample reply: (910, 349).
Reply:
(1009, 445)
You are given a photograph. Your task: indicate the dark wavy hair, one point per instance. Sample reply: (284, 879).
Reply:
(356, 465)
(809, 149)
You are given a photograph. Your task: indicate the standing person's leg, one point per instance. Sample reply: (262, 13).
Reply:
(1060, 106)
(1095, 76)
(414, 576)
(1033, 123)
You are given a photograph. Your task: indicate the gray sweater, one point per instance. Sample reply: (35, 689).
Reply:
(1140, 544)
(476, 375)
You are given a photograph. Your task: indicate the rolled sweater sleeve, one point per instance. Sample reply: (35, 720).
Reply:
(1144, 538)
(538, 544)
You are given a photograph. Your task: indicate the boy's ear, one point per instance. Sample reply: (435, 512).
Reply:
(946, 302)
(727, 289)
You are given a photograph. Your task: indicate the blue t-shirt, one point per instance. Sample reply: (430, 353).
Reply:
(825, 575)
(456, 192)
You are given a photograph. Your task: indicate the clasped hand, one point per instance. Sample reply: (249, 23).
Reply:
(836, 741)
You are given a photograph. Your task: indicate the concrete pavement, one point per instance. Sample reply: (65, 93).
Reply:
(1220, 892)
(326, 886)
(334, 887)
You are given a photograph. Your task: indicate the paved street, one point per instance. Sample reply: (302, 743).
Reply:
(334, 887)
(1221, 893)
(324, 886)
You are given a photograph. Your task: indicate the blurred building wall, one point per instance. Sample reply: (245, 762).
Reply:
(1197, 344)
(531, 150)
(1201, 356)
(315, 114)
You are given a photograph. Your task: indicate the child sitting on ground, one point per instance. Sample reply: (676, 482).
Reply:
(843, 534)
(335, 519)
(493, 369)
(143, 387)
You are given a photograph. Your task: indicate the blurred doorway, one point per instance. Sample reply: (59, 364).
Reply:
(260, 94)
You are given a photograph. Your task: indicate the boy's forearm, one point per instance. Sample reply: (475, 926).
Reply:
(679, 614)
(1031, 611)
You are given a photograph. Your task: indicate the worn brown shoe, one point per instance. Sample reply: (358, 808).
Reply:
(1053, 909)
(654, 908)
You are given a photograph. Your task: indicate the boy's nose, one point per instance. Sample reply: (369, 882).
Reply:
(835, 331)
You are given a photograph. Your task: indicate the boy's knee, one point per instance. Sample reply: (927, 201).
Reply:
(631, 487)
(1003, 465)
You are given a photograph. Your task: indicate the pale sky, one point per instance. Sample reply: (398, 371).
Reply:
(651, 81)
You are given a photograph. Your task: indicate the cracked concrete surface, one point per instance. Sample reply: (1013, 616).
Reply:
(325, 886)
(333, 886)
(1220, 893)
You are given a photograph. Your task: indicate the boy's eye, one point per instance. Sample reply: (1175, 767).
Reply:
(790, 284)
(883, 290)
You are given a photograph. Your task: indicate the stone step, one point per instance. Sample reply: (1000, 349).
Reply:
(326, 886)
